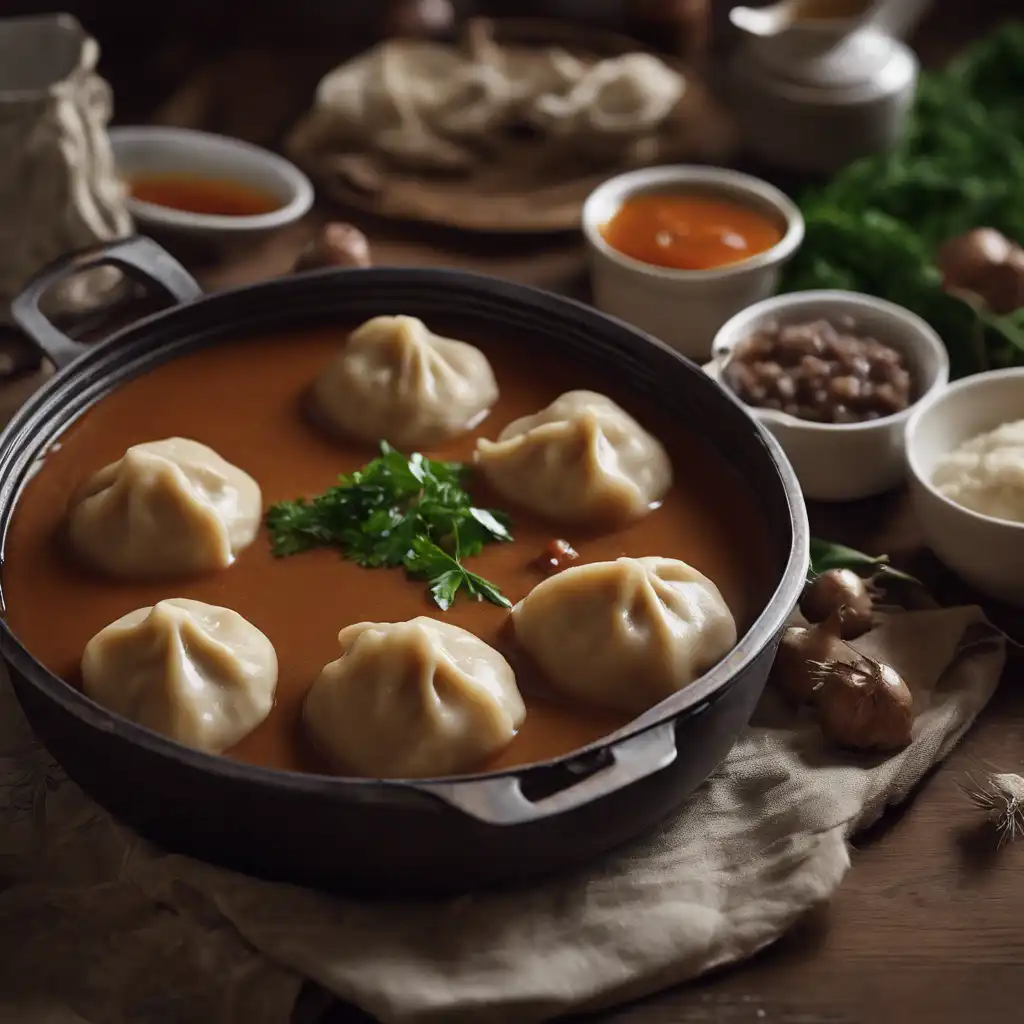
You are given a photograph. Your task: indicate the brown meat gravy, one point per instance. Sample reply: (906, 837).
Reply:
(244, 399)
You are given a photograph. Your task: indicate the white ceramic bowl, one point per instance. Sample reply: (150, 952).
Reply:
(685, 308)
(843, 462)
(988, 553)
(156, 150)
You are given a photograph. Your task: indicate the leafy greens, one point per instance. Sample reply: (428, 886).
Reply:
(398, 510)
(877, 225)
(826, 554)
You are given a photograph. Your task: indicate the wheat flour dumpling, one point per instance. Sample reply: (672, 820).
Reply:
(583, 459)
(167, 508)
(413, 699)
(624, 635)
(194, 672)
(397, 381)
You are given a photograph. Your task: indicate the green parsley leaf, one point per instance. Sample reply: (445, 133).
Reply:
(398, 511)
(447, 575)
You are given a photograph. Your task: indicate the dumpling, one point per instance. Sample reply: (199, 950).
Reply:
(582, 459)
(200, 674)
(413, 700)
(165, 509)
(626, 634)
(397, 381)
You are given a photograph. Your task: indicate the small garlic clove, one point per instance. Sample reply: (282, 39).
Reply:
(1009, 785)
(1001, 797)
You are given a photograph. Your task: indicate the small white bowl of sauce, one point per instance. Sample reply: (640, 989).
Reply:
(676, 251)
(205, 185)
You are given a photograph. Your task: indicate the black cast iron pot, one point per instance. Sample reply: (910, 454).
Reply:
(368, 836)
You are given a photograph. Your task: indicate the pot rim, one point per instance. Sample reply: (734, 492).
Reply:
(221, 316)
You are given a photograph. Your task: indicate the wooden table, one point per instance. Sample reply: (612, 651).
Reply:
(929, 924)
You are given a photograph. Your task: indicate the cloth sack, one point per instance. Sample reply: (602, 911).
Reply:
(58, 187)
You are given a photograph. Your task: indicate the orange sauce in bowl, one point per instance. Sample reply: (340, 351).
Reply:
(211, 196)
(689, 232)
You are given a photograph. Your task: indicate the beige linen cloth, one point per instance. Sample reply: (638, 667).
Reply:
(97, 926)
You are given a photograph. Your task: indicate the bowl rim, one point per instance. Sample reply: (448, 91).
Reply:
(971, 382)
(236, 152)
(624, 186)
(732, 331)
(215, 317)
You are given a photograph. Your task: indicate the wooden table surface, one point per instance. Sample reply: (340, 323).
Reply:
(929, 924)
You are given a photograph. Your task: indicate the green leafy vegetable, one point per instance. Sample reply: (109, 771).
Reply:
(877, 225)
(827, 555)
(398, 511)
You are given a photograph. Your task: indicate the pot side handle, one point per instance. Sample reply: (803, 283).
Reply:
(501, 801)
(140, 258)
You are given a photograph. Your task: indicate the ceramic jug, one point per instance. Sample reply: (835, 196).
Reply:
(817, 84)
(789, 33)
(58, 187)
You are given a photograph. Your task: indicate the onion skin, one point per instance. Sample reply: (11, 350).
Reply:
(839, 590)
(800, 648)
(866, 707)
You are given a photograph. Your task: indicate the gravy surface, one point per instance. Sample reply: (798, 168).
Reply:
(245, 399)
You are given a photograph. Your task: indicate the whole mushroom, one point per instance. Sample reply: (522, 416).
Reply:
(418, 18)
(967, 261)
(1005, 287)
(336, 245)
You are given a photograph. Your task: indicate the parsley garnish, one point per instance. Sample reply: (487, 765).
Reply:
(398, 511)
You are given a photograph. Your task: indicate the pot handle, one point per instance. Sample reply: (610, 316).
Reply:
(138, 257)
(501, 801)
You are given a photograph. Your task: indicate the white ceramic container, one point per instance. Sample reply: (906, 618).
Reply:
(158, 150)
(987, 552)
(685, 308)
(843, 461)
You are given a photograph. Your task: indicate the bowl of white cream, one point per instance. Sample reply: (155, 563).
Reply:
(965, 457)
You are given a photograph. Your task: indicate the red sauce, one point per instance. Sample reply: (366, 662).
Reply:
(689, 232)
(243, 399)
(202, 195)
